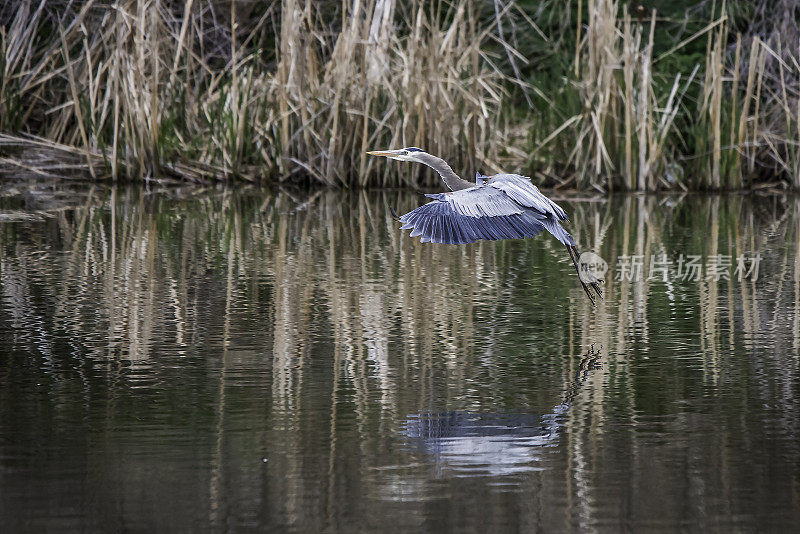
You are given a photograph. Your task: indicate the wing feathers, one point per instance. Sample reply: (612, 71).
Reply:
(552, 226)
(521, 190)
(438, 222)
(481, 202)
(509, 206)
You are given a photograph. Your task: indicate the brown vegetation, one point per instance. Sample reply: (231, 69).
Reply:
(298, 91)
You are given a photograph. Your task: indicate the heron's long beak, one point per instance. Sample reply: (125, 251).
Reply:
(387, 153)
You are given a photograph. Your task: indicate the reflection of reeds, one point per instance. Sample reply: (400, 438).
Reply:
(120, 252)
(348, 325)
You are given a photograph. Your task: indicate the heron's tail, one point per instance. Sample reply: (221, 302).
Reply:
(574, 254)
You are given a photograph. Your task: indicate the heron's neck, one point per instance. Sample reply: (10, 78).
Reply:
(449, 177)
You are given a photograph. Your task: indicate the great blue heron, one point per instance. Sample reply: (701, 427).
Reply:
(503, 206)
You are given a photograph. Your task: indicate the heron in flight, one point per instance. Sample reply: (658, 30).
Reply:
(503, 206)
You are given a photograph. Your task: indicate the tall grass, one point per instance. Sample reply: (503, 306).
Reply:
(624, 124)
(144, 85)
(298, 91)
(627, 121)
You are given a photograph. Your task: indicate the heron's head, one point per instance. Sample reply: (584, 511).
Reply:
(411, 153)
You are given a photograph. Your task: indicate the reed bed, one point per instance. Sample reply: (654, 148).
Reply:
(297, 91)
(622, 117)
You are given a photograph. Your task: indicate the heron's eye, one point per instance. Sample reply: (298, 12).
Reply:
(405, 152)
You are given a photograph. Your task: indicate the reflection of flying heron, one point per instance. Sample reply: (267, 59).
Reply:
(503, 206)
(494, 443)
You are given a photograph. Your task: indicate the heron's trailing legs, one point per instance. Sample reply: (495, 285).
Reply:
(573, 253)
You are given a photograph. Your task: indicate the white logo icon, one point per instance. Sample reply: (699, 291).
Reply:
(592, 268)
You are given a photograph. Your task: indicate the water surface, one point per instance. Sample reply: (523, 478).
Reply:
(241, 359)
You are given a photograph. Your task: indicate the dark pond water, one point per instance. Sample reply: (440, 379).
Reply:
(228, 360)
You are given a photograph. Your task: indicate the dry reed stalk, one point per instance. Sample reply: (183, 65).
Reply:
(754, 70)
(735, 171)
(712, 101)
(645, 119)
(629, 60)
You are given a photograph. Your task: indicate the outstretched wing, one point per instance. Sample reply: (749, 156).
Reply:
(468, 215)
(521, 190)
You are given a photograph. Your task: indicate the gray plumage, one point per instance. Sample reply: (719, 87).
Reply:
(506, 206)
(503, 206)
